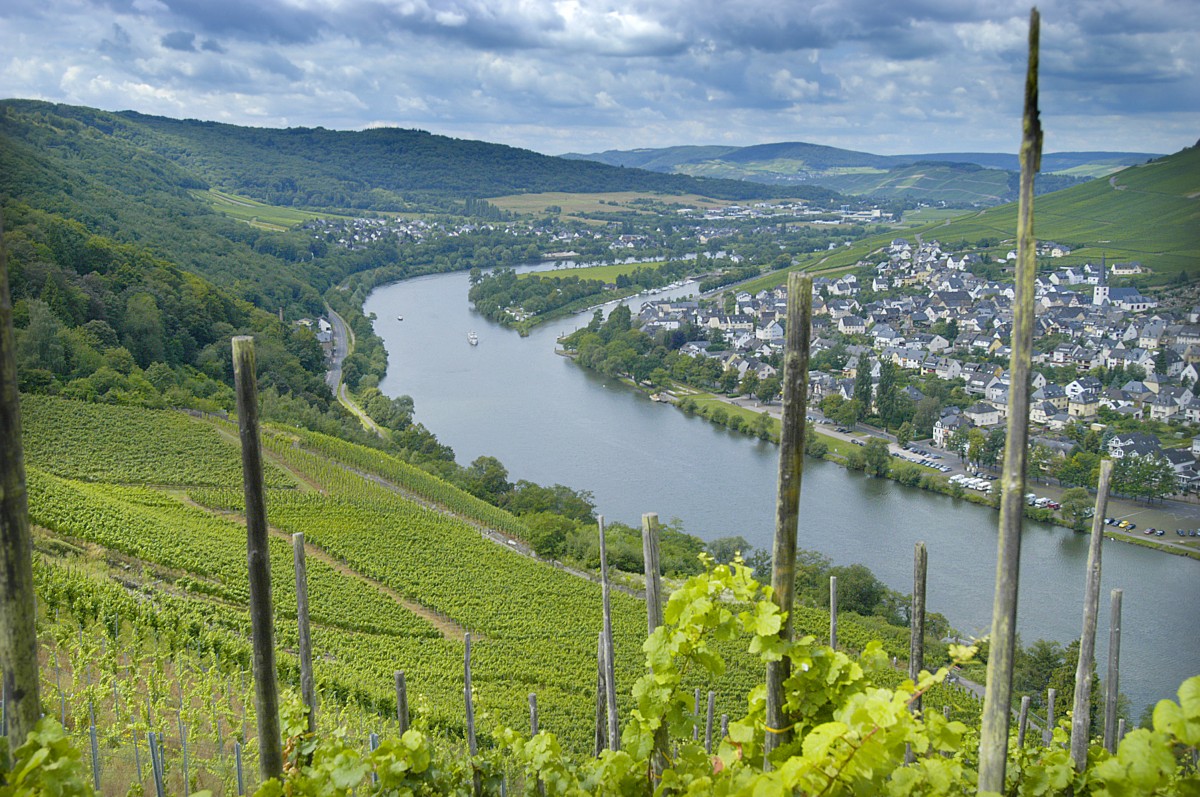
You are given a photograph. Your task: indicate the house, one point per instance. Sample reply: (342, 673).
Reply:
(1084, 384)
(1084, 406)
(851, 325)
(982, 414)
(945, 427)
(1137, 444)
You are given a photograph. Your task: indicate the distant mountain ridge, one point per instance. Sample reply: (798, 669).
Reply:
(960, 178)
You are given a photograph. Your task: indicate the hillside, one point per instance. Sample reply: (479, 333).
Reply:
(398, 568)
(1148, 213)
(959, 179)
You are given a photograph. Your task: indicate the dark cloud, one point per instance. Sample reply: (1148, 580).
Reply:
(211, 46)
(118, 44)
(275, 63)
(256, 20)
(180, 40)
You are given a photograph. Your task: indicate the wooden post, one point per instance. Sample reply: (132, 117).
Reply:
(237, 758)
(833, 611)
(1023, 721)
(601, 700)
(651, 565)
(916, 647)
(993, 735)
(533, 715)
(266, 694)
(470, 703)
(1120, 730)
(1051, 717)
(654, 618)
(308, 689)
(787, 507)
(401, 702)
(610, 674)
(18, 639)
(1113, 680)
(708, 724)
(1081, 719)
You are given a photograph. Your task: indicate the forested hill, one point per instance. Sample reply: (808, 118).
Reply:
(386, 169)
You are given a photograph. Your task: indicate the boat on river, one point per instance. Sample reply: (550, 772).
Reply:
(473, 338)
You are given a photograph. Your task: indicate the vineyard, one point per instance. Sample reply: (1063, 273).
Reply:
(398, 571)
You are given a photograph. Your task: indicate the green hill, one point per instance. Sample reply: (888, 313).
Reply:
(1148, 213)
(961, 179)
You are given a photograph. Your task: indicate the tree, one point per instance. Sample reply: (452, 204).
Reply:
(887, 392)
(749, 384)
(768, 389)
(1076, 501)
(976, 443)
(904, 434)
(487, 478)
(847, 413)
(1037, 462)
(862, 384)
(724, 549)
(143, 329)
(960, 442)
(878, 460)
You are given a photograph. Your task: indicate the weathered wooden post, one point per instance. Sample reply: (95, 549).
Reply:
(472, 747)
(650, 564)
(916, 646)
(787, 506)
(1081, 719)
(601, 699)
(1023, 721)
(533, 714)
(18, 639)
(266, 694)
(833, 612)
(1114, 665)
(993, 735)
(696, 716)
(308, 688)
(708, 724)
(610, 673)
(401, 702)
(1051, 716)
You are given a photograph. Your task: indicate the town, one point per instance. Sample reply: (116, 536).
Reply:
(1114, 373)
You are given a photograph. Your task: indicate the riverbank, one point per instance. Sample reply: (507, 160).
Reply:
(748, 413)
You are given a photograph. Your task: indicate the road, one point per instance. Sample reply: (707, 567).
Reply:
(1168, 514)
(343, 341)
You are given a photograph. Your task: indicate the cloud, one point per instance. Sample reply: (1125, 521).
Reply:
(557, 75)
(180, 40)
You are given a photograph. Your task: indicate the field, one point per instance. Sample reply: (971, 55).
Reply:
(607, 273)
(571, 205)
(255, 213)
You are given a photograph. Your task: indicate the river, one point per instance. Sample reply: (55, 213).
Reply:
(550, 421)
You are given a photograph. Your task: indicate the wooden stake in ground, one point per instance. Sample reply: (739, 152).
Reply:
(401, 702)
(308, 688)
(18, 639)
(997, 702)
(916, 646)
(1081, 719)
(1114, 671)
(787, 506)
(610, 675)
(266, 694)
(833, 612)
(650, 563)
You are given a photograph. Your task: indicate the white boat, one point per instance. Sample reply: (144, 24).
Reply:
(399, 318)
(473, 338)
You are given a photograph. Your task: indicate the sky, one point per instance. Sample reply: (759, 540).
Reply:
(555, 76)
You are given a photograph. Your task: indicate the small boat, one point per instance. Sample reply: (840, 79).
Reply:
(399, 318)
(473, 338)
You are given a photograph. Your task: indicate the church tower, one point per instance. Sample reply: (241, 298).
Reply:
(1100, 296)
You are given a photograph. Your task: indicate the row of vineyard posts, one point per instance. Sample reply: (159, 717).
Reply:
(18, 643)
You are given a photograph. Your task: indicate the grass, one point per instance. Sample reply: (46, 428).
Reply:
(255, 213)
(605, 273)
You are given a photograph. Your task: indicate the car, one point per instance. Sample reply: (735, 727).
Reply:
(1131, 526)
(1110, 521)
(1122, 524)
(1180, 532)
(1159, 532)
(1054, 505)
(1148, 531)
